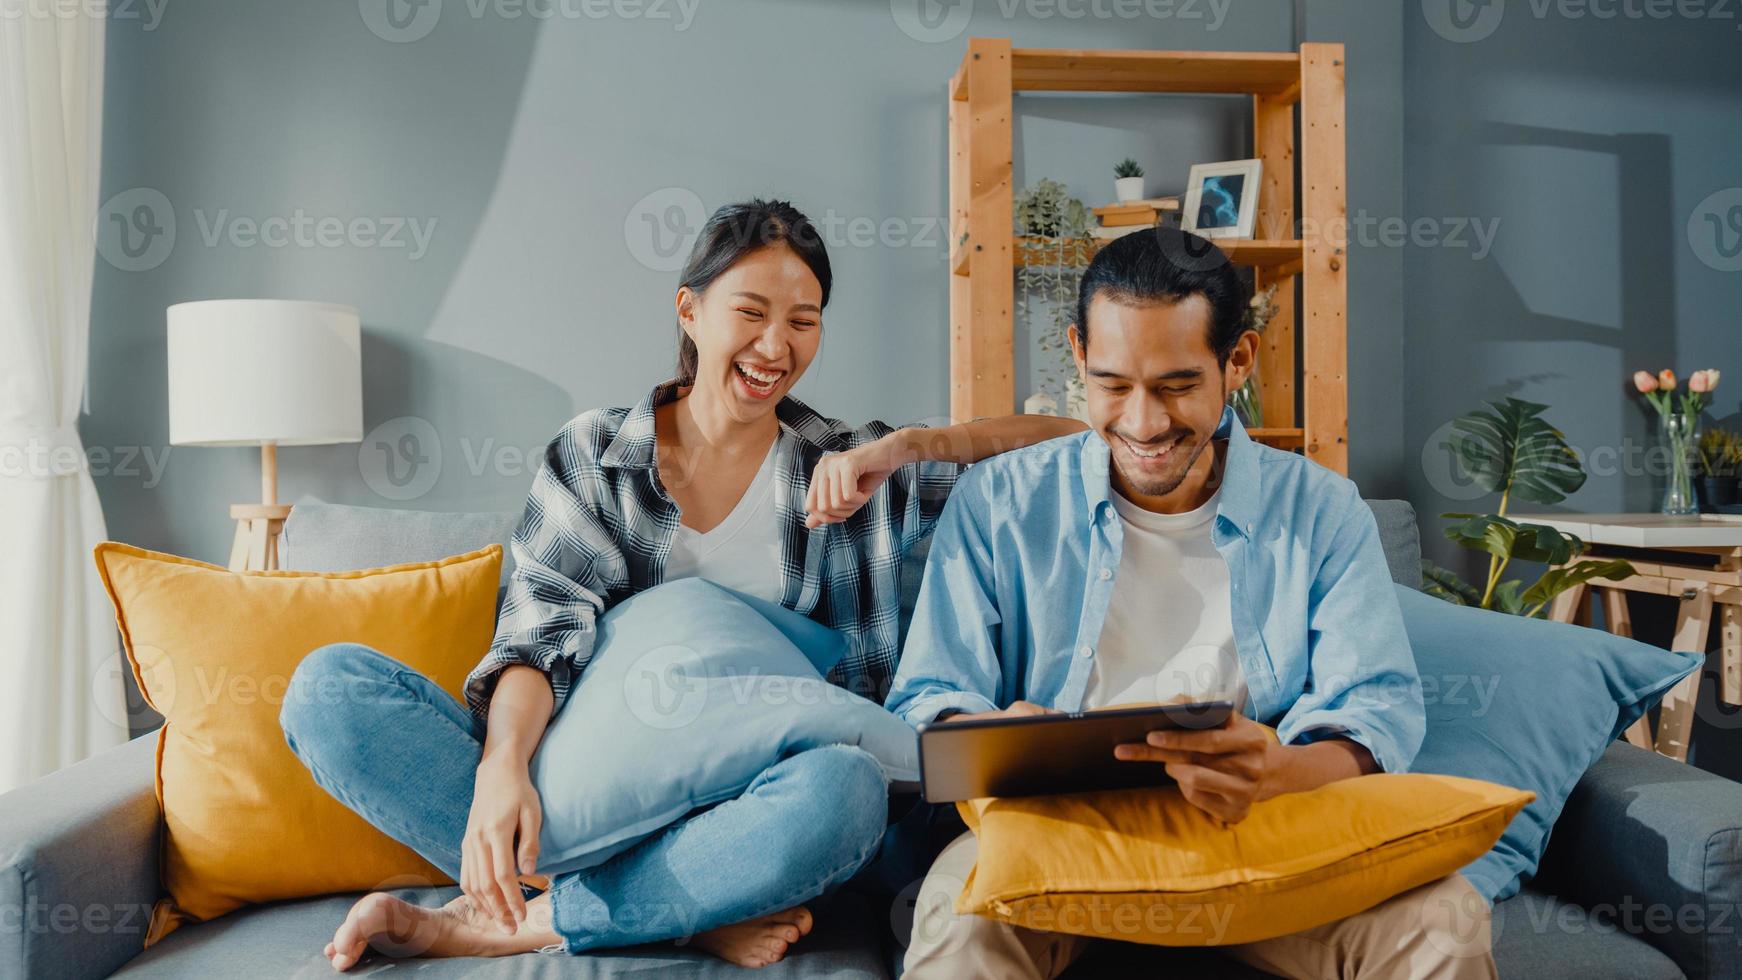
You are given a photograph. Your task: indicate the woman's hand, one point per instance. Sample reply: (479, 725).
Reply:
(501, 841)
(1017, 709)
(843, 482)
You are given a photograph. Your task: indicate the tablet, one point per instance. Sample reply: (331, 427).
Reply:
(1040, 755)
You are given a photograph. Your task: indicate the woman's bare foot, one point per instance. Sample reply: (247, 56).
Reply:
(399, 928)
(757, 942)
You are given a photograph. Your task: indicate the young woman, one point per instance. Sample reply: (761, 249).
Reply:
(717, 474)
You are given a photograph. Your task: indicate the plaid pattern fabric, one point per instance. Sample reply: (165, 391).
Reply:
(598, 528)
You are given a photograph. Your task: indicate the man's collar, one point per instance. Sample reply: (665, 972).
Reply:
(1238, 504)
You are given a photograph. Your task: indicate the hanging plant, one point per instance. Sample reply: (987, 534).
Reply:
(1053, 249)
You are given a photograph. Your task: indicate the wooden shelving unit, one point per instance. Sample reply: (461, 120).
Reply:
(984, 245)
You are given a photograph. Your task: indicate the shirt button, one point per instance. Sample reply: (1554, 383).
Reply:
(1106, 573)
(1085, 651)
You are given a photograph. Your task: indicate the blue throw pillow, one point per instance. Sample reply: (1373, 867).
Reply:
(693, 691)
(1525, 703)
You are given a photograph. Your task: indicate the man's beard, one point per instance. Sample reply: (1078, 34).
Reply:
(1162, 486)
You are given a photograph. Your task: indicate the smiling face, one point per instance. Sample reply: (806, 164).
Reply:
(1156, 394)
(756, 328)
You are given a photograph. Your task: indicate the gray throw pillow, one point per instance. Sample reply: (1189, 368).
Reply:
(323, 537)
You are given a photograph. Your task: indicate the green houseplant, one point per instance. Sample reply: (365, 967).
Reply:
(1509, 449)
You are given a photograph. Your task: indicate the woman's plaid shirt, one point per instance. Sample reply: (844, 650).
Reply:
(598, 528)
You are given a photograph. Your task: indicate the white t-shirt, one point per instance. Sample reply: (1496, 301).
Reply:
(741, 552)
(1169, 633)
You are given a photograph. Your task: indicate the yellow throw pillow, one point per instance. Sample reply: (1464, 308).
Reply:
(1146, 866)
(213, 651)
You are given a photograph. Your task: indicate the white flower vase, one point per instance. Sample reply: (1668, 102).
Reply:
(1127, 189)
(1040, 403)
(1681, 438)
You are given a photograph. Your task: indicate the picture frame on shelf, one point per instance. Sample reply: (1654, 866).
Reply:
(1222, 198)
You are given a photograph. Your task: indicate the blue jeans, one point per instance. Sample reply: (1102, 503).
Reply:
(393, 746)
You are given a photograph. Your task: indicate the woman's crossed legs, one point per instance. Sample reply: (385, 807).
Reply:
(394, 747)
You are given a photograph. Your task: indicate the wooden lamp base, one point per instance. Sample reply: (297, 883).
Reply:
(258, 525)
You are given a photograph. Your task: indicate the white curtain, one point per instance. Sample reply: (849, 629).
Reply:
(61, 693)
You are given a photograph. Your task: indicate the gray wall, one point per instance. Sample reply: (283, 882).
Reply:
(546, 151)
(1593, 142)
(554, 162)
(1596, 143)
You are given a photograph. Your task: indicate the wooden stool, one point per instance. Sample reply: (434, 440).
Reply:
(257, 528)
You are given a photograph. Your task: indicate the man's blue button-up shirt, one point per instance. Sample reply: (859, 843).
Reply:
(1026, 555)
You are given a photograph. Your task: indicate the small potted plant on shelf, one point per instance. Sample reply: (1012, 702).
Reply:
(1720, 459)
(1127, 181)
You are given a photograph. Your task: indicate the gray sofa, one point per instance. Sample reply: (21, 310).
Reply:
(1642, 878)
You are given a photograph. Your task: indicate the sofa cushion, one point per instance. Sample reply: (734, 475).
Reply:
(285, 940)
(1400, 538)
(323, 537)
(692, 691)
(1147, 866)
(214, 652)
(1537, 935)
(1657, 843)
(1526, 703)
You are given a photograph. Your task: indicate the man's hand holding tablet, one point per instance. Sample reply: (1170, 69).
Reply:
(1221, 770)
(1031, 750)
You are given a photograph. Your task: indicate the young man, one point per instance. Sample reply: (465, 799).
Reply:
(1163, 555)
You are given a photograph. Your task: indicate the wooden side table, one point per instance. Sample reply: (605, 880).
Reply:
(1698, 560)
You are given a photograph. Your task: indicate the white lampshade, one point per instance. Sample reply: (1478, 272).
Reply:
(243, 372)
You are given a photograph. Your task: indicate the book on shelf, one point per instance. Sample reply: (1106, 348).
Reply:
(1106, 234)
(1145, 212)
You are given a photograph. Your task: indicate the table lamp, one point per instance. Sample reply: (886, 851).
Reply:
(264, 372)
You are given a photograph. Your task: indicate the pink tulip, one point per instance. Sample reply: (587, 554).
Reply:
(1666, 379)
(1697, 383)
(1644, 381)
